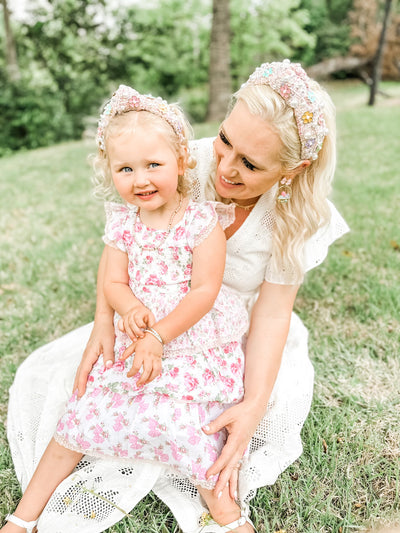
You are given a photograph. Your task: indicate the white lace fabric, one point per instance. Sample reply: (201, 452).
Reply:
(99, 492)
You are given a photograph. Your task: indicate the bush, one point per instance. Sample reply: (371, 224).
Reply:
(31, 117)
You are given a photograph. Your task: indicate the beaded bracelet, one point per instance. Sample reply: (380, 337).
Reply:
(155, 334)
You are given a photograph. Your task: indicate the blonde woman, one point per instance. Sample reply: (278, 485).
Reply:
(274, 159)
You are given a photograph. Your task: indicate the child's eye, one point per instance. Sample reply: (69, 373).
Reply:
(223, 138)
(154, 165)
(247, 164)
(126, 169)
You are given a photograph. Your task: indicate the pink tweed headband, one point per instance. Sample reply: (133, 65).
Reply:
(291, 82)
(127, 99)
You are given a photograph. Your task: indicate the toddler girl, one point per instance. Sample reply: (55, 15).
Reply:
(163, 275)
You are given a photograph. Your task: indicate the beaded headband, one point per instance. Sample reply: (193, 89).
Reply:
(127, 99)
(291, 82)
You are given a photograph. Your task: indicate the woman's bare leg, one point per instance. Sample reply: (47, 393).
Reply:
(55, 465)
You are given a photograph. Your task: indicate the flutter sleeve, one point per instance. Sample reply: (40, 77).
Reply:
(119, 225)
(315, 249)
(204, 218)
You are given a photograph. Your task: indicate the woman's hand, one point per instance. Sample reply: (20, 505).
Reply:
(101, 341)
(241, 422)
(148, 354)
(134, 321)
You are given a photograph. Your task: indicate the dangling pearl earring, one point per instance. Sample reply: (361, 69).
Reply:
(285, 190)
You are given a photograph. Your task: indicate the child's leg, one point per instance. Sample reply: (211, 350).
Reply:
(55, 465)
(224, 510)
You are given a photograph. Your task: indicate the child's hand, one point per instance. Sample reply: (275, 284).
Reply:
(135, 320)
(148, 354)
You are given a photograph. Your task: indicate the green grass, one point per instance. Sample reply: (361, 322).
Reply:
(348, 477)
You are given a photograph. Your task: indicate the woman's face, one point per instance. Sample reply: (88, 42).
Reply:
(247, 153)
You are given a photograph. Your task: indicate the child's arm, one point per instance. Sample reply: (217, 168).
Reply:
(206, 280)
(134, 314)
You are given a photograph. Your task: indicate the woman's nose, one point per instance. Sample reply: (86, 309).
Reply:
(227, 165)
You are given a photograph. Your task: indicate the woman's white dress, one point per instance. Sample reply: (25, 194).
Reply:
(98, 493)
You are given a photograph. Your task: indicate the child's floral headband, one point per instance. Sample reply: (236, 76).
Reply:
(127, 99)
(291, 82)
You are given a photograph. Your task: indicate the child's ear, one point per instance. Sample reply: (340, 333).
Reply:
(182, 163)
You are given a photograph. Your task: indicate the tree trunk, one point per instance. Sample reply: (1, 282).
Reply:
(376, 74)
(220, 86)
(11, 51)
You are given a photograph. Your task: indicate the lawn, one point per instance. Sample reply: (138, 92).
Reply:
(348, 478)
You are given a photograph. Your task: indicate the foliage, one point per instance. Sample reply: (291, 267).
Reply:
(331, 27)
(267, 31)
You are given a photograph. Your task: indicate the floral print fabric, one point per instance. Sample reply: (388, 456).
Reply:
(202, 371)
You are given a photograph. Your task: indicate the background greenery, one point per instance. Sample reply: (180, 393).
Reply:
(73, 53)
(348, 477)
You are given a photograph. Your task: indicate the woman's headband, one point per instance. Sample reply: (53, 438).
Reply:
(291, 82)
(127, 99)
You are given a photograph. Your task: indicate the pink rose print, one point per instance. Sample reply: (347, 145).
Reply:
(175, 452)
(208, 376)
(188, 270)
(175, 255)
(183, 289)
(179, 233)
(190, 382)
(149, 259)
(127, 238)
(162, 456)
(163, 267)
(60, 426)
(154, 431)
(90, 378)
(118, 425)
(98, 437)
(174, 372)
(236, 368)
(212, 453)
(193, 436)
(135, 442)
(119, 452)
(198, 471)
(84, 444)
(119, 364)
(71, 420)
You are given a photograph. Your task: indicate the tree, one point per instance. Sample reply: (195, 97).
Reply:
(11, 50)
(220, 86)
(376, 74)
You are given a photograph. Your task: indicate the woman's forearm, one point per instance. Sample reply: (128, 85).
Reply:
(269, 328)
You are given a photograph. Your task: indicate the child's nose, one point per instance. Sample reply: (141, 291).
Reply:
(141, 179)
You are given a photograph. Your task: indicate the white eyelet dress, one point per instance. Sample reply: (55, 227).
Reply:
(100, 492)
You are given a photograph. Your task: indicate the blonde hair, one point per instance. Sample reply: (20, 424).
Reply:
(308, 209)
(127, 122)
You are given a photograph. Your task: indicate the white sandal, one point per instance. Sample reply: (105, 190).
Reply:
(29, 526)
(210, 526)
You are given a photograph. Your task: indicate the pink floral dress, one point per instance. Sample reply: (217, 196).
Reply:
(202, 371)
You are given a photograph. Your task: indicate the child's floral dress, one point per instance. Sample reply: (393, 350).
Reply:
(202, 369)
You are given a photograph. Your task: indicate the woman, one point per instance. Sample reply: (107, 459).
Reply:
(274, 158)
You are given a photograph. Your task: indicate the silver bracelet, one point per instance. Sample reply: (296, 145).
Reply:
(155, 334)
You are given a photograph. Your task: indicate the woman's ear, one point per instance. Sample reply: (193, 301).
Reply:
(299, 169)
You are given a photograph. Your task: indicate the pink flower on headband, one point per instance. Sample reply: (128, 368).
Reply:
(127, 99)
(291, 82)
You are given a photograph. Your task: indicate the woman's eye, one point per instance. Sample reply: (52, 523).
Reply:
(247, 164)
(126, 169)
(223, 138)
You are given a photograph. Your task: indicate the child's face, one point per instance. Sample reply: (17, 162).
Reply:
(144, 168)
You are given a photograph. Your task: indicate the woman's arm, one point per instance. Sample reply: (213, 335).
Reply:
(269, 327)
(101, 340)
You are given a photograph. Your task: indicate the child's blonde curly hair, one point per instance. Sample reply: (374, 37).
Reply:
(128, 110)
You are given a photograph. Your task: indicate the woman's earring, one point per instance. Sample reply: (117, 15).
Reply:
(285, 190)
